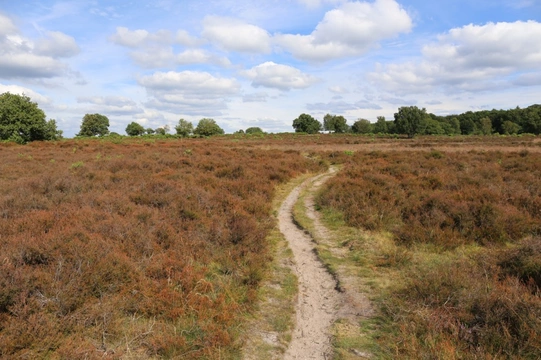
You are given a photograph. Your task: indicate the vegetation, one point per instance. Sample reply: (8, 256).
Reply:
(362, 126)
(307, 124)
(208, 127)
(462, 262)
(411, 120)
(254, 130)
(154, 249)
(94, 125)
(335, 123)
(184, 128)
(135, 129)
(22, 121)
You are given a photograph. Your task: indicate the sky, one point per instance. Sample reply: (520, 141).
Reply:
(262, 63)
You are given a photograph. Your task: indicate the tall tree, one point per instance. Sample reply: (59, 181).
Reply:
(307, 124)
(336, 123)
(208, 127)
(380, 127)
(135, 129)
(21, 120)
(94, 125)
(362, 126)
(411, 120)
(184, 128)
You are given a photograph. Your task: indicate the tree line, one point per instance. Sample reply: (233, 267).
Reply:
(411, 121)
(21, 121)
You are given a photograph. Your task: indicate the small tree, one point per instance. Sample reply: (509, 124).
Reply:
(510, 128)
(336, 123)
(208, 127)
(150, 131)
(362, 126)
(485, 126)
(380, 127)
(184, 128)
(411, 120)
(21, 120)
(307, 124)
(135, 129)
(254, 130)
(94, 125)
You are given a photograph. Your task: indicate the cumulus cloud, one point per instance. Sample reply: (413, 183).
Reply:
(114, 105)
(184, 38)
(235, 35)
(337, 107)
(189, 92)
(199, 56)
(57, 45)
(338, 90)
(255, 97)
(20, 90)
(136, 38)
(351, 29)
(470, 58)
(22, 57)
(277, 76)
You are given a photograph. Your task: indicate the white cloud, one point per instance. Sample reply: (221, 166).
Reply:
(235, 35)
(277, 76)
(350, 30)
(136, 38)
(184, 38)
(111, 105)
(16, 89)
(255, 97)
(57, 45)
(6, 26)
(198, 56)
(189, 92)
(470, 58)
(21, 57)
(153, 57)
(338, 90)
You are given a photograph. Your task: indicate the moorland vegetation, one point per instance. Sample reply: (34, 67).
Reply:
(141, 248)
(462, 272)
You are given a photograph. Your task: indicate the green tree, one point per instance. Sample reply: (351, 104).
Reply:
(380, 127)
(307, 124)
(411, 120)
(433, 127)
(362, 126)
(94, 125)
(184, 128)
(208, 127)
(162, 130)
(254, 130)
(21, 120)
(510, 128)
(336, 123)
(150, 131)
(485, 126)
(135, 129)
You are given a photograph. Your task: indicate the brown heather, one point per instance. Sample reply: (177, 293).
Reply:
(468, 228)
(139, 249)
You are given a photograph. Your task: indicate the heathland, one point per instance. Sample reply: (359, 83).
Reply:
(157, 248)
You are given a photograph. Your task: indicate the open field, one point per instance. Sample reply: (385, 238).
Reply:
(148, 248)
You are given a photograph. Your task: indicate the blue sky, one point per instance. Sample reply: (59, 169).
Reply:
(262, 63)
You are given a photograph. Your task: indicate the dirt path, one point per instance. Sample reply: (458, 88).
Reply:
(318, 301)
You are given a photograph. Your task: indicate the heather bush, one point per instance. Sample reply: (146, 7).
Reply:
(146, 248)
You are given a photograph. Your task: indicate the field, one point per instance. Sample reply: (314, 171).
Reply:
(155, 248)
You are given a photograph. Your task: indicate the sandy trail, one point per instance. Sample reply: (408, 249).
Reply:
(318, 301)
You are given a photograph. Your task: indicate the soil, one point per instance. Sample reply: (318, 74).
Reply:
(318, 300)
